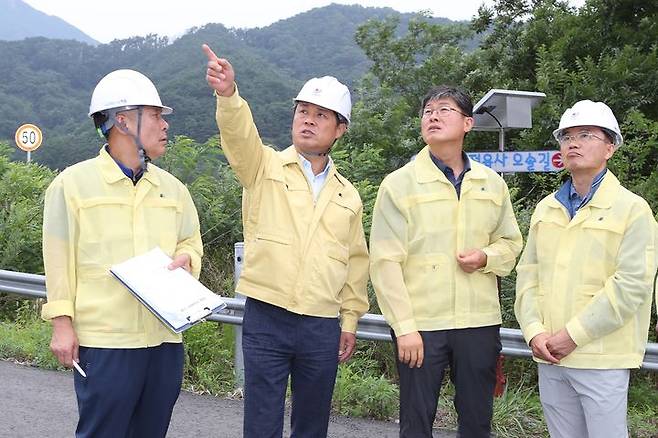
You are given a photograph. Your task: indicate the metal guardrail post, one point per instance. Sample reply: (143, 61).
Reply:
(238, 259)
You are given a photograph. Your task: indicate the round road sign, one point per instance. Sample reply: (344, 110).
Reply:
(28, 137)
(556, 159)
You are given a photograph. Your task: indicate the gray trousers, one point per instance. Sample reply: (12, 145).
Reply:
(584, 403)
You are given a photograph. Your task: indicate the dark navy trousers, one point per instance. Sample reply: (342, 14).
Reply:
(471, 355)
(128, 392)
(278, 344)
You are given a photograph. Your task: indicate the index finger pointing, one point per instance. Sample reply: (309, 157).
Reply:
(209, 53)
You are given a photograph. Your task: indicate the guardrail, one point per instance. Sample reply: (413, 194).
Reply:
(371, 327)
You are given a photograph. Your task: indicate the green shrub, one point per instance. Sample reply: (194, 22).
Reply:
(363, 391)
(209, 349)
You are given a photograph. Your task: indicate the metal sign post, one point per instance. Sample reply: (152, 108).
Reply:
(499, 110)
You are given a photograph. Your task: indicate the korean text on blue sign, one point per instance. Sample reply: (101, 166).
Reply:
(520, 161)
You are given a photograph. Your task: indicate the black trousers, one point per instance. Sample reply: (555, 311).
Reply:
(471, 355)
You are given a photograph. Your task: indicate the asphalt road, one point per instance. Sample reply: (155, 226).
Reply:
(41, 403)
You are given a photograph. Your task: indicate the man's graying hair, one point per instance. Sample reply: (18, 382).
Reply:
(462, 99)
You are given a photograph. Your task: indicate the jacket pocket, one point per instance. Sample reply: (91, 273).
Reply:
(604, 232)
(268, 261)
(273, 238)
(584, 295)
(333, 273)
(432, 212)
(548, 232)
(600, 241)
(485, 195)
(107, 221)
(429, 282)
(339, 217)
(338, 252)
(482, 214)
(484, 290)
(104, 305)
(161, 217)
(598, 221)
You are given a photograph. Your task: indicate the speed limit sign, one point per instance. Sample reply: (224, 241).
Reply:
(28, 137)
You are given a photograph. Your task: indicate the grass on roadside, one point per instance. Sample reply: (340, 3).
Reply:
(209, 359)
(643, 404)
(26, 339)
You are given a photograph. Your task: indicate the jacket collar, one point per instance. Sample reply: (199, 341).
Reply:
(427, 171)
(607, 191)
(604, 196)
(112, 172)
(290, 156)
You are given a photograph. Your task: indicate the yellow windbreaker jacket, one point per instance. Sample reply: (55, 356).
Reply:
(95, 217)
(418, 227)
(592, 274)
(310, 259)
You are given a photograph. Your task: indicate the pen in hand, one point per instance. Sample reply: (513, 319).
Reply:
(77, 367)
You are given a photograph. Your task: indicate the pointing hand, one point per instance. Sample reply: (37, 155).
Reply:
(219, 74)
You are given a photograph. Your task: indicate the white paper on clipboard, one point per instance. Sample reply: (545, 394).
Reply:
(177, 298)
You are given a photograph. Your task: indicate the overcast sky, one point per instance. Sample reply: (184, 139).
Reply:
(108, 20)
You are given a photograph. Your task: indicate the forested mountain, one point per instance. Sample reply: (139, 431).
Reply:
(322, 40)
(49, 82)
(19, 20)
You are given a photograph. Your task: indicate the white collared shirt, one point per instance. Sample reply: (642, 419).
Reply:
(316, 181)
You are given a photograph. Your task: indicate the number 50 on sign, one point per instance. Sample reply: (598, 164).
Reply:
(28, 137)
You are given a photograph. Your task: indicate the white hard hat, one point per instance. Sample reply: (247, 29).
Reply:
(328, 93)
(123, 88)
(588, 113)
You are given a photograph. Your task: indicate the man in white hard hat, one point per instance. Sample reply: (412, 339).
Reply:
(101, 212)
(584, 284)
(306, 260)
(443, 228)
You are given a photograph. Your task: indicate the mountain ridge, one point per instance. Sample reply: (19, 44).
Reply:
(19, 20)
(49, 82)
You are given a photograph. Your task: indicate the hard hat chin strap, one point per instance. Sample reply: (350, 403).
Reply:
(144, 159)
(320, 154)
(315, 154)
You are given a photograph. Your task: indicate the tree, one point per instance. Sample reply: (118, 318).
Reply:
(547, 46)
(22, 186)
(530, 45)
(217, 197)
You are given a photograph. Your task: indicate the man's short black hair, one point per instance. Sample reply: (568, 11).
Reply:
(458, 95)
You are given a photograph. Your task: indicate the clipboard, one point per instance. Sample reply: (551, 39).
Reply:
(175, 297)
